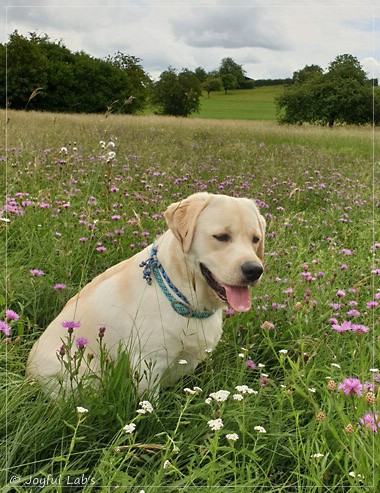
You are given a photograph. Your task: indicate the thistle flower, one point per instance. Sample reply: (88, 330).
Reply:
(81, 342)
(5, 328)
(370, 422)
(11, 315)
(351, 386)
(59, 286)
(70, 325)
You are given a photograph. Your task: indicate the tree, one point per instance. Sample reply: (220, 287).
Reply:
(25, 72)
(212, 84)
(41, 74)
(343, 94)
(201, 74)
(177, 94)
(229, 81)
(139, 83)
(229, 67)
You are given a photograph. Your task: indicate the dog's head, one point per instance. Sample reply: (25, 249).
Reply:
(223, 237)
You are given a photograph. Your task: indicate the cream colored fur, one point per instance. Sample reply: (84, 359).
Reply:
(138, 316)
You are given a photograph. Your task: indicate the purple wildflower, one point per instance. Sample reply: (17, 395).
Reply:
(335, 306)
(37, 272)
(370, 422)
(5, 328)
(372, 304)
(59, 286)
(344, 327)
(359, 328)
(250, 364)
(340, 293)
(11, 315)
(346, 251)
(351, 386)
(81, 342)
(353, 313)
(70, 325)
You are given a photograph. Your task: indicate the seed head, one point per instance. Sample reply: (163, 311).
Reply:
(331, 385)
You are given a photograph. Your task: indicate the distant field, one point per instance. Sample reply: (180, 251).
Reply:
(247, 104)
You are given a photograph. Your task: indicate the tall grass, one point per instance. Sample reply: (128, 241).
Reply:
(72, 209)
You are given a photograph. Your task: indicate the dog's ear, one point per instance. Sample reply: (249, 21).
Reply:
(260, 250)
(181, 217)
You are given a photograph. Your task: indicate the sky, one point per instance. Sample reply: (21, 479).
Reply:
(270, 39)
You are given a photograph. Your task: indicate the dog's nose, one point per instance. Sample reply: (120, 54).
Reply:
(251, 270)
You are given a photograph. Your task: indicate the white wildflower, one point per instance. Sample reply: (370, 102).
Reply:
(260, 429)
(82, 410)
(129, 428)
(220, 395)
(244, 389)
(182, 362)
(352, 474)
(146, 407)
(374, 370)
(283, 351)
(241, 355)
(261, 365)
(102, 144)
(193, 391)
(215, 424)
(111, 145)
(232, 436)
(111, 155)
(167, 464)
(189, 391)
(335, 365)
(237, 397)
(208, 400)
(208, 351)
(317, 456)
(312, 389)
(63, 150)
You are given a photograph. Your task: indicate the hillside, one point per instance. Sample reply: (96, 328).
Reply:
(247, 104)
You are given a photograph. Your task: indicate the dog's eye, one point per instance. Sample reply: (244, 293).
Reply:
(222, 237)
(255, 240)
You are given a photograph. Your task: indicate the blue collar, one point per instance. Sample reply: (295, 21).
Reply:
(181, 305)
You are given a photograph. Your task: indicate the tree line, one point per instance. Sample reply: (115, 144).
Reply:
(41, 74)
(38, 73)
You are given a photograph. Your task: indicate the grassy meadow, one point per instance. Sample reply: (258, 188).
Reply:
(246, 104)
(300, 371)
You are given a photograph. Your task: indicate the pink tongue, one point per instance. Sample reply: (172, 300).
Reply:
(238, 297)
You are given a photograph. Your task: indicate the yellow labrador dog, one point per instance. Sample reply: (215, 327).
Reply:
(164, 305)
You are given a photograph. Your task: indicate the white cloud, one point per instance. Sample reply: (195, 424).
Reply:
(270, 41)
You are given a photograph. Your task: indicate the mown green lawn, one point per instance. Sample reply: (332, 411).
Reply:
(248, 104)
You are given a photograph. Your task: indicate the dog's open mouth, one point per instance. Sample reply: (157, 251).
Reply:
(238, 297)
